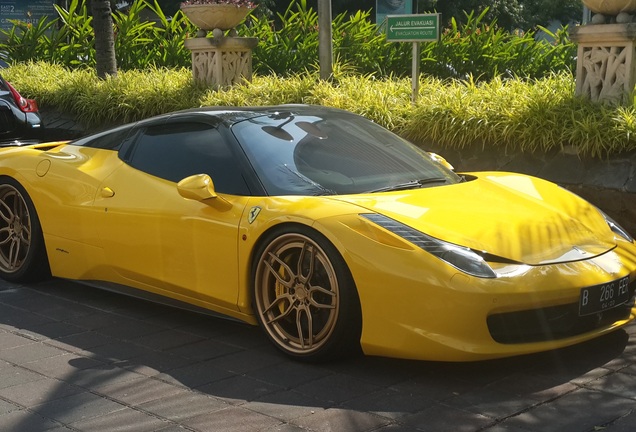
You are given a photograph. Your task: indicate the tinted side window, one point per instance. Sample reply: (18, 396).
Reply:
(178, 150)
(110, 140)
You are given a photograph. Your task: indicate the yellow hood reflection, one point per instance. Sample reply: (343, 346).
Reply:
(517, 217)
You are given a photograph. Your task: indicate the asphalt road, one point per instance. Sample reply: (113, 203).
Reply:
(73, 358)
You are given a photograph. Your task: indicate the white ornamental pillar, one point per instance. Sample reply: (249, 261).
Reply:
(606, 67)
(221, 62)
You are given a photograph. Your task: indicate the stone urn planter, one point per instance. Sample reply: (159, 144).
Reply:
(215, 16)
(224, 59)
(611, 7)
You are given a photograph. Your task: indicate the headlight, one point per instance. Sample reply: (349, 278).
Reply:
(616, 228)
(462, 258)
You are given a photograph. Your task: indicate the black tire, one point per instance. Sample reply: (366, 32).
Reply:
(304, 296)
(22, 253)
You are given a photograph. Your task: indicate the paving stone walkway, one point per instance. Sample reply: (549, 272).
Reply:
(73, 358)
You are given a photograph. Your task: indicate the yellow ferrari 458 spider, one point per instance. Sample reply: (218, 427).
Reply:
(329, 231)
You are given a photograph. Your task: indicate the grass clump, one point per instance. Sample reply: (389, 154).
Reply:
(508, 114)
(519, 115)
(131, 96)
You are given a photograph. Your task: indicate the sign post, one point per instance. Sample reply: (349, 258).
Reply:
(413, 28)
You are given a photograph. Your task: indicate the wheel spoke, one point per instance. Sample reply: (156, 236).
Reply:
(301, 277)
(279, 278)
(17, 206)
(25, 236)
(14, 253)
(4, 207)
(276, 303)
(314, 302)
(310, 329)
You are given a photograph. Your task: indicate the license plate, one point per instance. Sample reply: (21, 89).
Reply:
(598, 298)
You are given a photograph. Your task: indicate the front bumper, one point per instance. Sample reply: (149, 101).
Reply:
(415, 306)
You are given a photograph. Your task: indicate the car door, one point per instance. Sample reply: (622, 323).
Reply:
(159, 241)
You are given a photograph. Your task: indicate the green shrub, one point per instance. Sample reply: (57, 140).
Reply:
(133, 95)
(538, 115)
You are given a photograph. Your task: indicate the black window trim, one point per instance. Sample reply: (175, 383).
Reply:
(250, 178)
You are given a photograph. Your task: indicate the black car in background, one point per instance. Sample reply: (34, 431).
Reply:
(19, 117)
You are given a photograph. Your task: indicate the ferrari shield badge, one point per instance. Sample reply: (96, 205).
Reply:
(254, 211)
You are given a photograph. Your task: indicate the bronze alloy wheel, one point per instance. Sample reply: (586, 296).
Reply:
(297, 294)
(15, 229)
(22, 253)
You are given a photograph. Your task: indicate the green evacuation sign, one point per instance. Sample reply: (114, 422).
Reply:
(412, 28)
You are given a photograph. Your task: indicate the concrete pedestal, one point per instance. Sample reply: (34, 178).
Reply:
(605, 69)
(221, 62)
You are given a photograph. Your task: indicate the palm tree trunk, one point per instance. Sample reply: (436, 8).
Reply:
(104, 38)
(325, 45)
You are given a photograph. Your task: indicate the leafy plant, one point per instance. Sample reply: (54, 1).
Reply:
(485, 51)
(169, 34)
(290, 49)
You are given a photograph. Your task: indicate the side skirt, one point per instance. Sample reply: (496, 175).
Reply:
(154, 298)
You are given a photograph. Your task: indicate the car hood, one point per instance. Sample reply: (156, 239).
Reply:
(513, 216)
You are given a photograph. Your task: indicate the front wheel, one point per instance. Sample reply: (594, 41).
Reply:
(22, 254)
(305, 298)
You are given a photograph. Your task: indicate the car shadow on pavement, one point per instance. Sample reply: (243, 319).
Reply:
(72, 356)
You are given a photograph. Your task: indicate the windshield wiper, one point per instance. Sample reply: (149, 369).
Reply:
(321, 190)
(412, 184)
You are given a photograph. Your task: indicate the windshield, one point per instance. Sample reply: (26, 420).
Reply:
(334, 153)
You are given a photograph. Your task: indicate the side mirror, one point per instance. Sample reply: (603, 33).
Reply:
(197, 187)
(440, 160)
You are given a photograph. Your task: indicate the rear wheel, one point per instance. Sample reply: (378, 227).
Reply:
(304, 296)
(22, 254)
